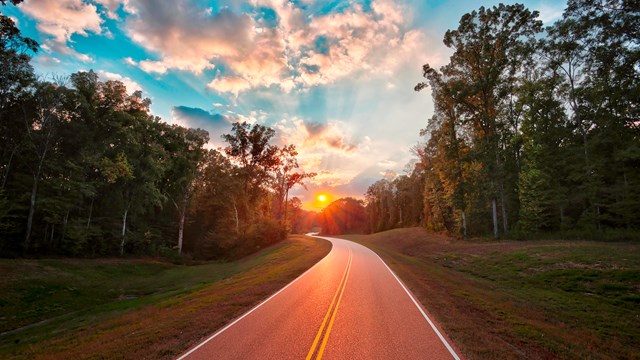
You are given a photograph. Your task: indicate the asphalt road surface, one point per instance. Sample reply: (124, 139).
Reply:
(347, 306)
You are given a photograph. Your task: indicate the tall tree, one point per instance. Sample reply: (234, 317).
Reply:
(490, 46)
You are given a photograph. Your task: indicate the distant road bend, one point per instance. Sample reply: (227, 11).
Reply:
(349, 305)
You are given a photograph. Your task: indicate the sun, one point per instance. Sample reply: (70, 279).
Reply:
(322, 197)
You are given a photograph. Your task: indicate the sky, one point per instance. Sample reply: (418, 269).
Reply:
(334, 78)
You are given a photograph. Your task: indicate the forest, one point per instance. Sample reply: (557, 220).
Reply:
(87, 170)
(535, 132)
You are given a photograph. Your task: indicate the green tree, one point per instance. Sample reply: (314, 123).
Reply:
(490, 48)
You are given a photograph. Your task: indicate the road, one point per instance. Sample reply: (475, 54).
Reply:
(347, 306)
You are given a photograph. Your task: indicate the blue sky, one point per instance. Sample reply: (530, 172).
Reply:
(335, 78)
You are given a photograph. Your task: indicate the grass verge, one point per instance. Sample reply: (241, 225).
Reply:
(142, 309)
(522, 299)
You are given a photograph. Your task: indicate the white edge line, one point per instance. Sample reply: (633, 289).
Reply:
(433, 326)
(252, 310)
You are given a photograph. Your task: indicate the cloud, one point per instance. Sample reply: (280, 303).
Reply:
(153, 66)
(274, 43)
(130, 61)
(184, 36)
(316, 137)
(111, 6)
(551, 12)
(46, 61)
(216, 124)
(229, 84)
(61, 19)
(131, 85)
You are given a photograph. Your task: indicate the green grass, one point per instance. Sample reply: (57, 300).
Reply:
(523, 299)
(36, 290)
(65, 307)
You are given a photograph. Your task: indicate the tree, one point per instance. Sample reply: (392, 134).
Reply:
(42, 117)
(287, 177)
(490, 48)
(595, 48)
(343, 216)
(187, 148)
(249, 147)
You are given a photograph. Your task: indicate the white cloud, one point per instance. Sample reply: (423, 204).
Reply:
(551, 12)
(61, 19)
(300, 51)
(153, 66)
(52, 46)
(185, 37)
(130, 61)
(111, 6)
(131, 85)
(46, 61)
(229, 84)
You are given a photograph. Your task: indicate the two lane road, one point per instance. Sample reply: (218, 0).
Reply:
(347, 306)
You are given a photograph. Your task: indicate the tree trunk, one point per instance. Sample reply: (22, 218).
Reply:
(53, 231)
(64, 224)
(505, 223)
(90, 213)
(495, 217)
(124, 230)
(32, 209)
(34, 191)
(286, 199)
(6, 172)
(183, 215)
(235, 209)
(281, 196)
(464, 225)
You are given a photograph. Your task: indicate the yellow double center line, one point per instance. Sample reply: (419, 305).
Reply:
(331, 313)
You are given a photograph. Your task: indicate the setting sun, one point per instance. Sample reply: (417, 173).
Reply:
(322, 198)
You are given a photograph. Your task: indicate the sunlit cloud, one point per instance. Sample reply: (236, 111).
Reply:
(336, 80)
(332, 136)
(60, 19)
(110, 6)
(296, 50)
(229, 84)
(131, 85)
(186, 37)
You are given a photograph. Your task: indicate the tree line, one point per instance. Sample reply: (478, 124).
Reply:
(535, 130)
(87, 170)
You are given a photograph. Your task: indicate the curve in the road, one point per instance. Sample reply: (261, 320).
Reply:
(349, 305)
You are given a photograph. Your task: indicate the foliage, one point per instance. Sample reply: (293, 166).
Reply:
(343, 216)
(87, 170)
(533, 131)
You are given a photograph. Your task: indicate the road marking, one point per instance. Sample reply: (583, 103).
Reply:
(333, 317)
(433, 326)
(332, 310)
(252, 310)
